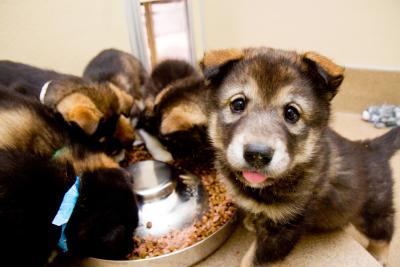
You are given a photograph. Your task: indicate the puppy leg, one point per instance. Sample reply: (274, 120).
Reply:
(249, 221)
(380, 250)
(274, 241)
(378, 228)
(248, 258)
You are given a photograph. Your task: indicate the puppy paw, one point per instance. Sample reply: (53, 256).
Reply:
(380, 251)
(248, 222)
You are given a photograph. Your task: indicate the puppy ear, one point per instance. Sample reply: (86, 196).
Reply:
(124, 99)
(79, 109)
(182, 118)
(124, 131)
(331, 73)
(215, 64)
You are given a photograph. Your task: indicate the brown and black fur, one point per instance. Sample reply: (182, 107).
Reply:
(320, 180)
(91, 109)
(175, 115)
(121, 69)
(167, 72)
(40, 161)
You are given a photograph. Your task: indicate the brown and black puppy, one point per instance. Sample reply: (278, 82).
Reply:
(268, 113)
(40, 160)
(175, 115)
(165, 73)
(121, 69)
(99, 111)
(95, 109)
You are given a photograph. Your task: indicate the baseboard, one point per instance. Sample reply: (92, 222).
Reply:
(362, 88)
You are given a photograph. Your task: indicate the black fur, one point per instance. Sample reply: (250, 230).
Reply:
(31, 191)
(26, 79)
(32, 188)
(167, 72)
(32, 184)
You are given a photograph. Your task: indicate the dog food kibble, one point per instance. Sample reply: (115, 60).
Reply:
(220, 210)
(149, 225)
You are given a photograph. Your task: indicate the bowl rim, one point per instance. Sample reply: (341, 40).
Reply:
(232, 220)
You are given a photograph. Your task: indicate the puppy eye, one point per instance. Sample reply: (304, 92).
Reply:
(238, 104)
(291, 114)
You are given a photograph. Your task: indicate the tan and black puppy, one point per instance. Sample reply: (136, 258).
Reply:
(94, 108)
(164, 74)
(121, 69)
(99, 109)
(268, 113)
(175, 115)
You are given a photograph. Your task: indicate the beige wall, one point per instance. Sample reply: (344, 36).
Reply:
(61, 34)
(361, 33)
(65, 34)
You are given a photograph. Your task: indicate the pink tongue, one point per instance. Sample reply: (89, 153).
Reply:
(254, 177)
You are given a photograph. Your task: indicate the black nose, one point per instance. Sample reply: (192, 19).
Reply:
(258, 155)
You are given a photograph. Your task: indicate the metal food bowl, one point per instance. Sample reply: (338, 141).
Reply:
(169, 199)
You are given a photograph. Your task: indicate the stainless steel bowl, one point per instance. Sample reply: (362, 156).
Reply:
(169, 199)
(180, 258)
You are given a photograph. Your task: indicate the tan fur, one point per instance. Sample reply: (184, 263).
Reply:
(325, 63)
(124, 130)
(15, 121)
(309, 148)
(161, 94)
(248, 222)
(80, 109)
(214, 131)
(124, 99)
(380, 250)
(182, 118)
(90, 162)
(219, 57)
(20, 129)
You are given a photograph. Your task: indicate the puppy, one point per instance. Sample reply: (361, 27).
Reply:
(92, 109)
(165, 73)
(40, 161)
(268, 113)
(32, 189)
(175, 116)
(121, 69)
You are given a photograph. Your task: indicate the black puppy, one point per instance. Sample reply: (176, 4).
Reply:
(26, 79)
(31, 191)
(35, 154)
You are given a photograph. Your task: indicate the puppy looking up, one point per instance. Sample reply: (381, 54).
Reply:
(121, 69)
(268, 119)
(40, 160)
(92, 110)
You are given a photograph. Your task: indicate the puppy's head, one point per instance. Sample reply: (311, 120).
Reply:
(177, 118)
(93, 109)
(105, 217)
(268, 110)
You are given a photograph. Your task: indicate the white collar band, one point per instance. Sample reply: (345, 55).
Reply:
(43, 91)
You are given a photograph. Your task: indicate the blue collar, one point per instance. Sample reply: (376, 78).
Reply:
(65, 212)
